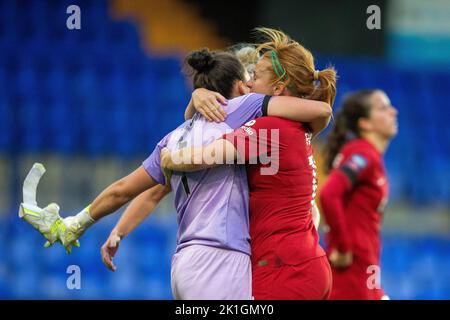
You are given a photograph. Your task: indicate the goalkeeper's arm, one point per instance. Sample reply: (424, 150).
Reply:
(110, 200)
(120, 193)
(139, 209)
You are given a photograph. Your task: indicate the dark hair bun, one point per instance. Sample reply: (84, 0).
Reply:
(201, 60)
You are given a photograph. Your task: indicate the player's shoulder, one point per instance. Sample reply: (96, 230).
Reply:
(359, 146)
(358, 152)
(245, 97)
(245, 100)
(174, 135)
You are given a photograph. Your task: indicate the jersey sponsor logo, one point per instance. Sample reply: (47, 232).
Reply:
(308, 137)
(250, 123)
(247, 130)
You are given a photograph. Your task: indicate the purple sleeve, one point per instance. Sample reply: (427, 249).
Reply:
(153, 163)
(252, 106)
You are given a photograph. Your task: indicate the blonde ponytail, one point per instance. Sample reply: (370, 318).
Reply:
(325, 86)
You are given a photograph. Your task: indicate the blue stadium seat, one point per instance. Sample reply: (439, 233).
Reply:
(123, 36)
(25, 284)
(22, 254)
(7, 125)
(54, 286)
(155, 288)
(31, 129)
(124, 284)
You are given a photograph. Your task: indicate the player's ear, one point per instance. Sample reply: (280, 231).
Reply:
(279, 89)
(365, 124)
(242, 88)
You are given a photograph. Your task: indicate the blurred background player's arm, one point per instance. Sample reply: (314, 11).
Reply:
(332, 203)
(137, 211)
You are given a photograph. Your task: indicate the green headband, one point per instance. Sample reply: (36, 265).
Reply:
(281, 73)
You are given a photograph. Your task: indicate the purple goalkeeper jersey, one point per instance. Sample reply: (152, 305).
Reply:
(212, 205)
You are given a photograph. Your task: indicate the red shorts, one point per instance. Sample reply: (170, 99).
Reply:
(310, 280)
(352, 283)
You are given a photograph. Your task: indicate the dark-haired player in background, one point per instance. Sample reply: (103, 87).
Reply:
(355, 193)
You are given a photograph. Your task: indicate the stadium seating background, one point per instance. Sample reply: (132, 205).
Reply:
(96, 93)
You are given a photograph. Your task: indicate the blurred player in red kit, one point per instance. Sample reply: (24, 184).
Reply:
(355, 194)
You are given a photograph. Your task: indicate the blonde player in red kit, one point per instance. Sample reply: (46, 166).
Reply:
(355, 193)
(287, 260)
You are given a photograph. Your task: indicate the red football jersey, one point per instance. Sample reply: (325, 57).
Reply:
(282, 181)
(353, 200)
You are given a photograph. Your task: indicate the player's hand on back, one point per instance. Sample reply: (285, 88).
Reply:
(340, 260)
(209, 104)
(165, 158)
(109, 250)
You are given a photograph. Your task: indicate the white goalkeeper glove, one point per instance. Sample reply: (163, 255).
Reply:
(48, 221)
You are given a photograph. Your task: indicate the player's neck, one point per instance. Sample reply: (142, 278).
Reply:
(235, 93)
(379, 143)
